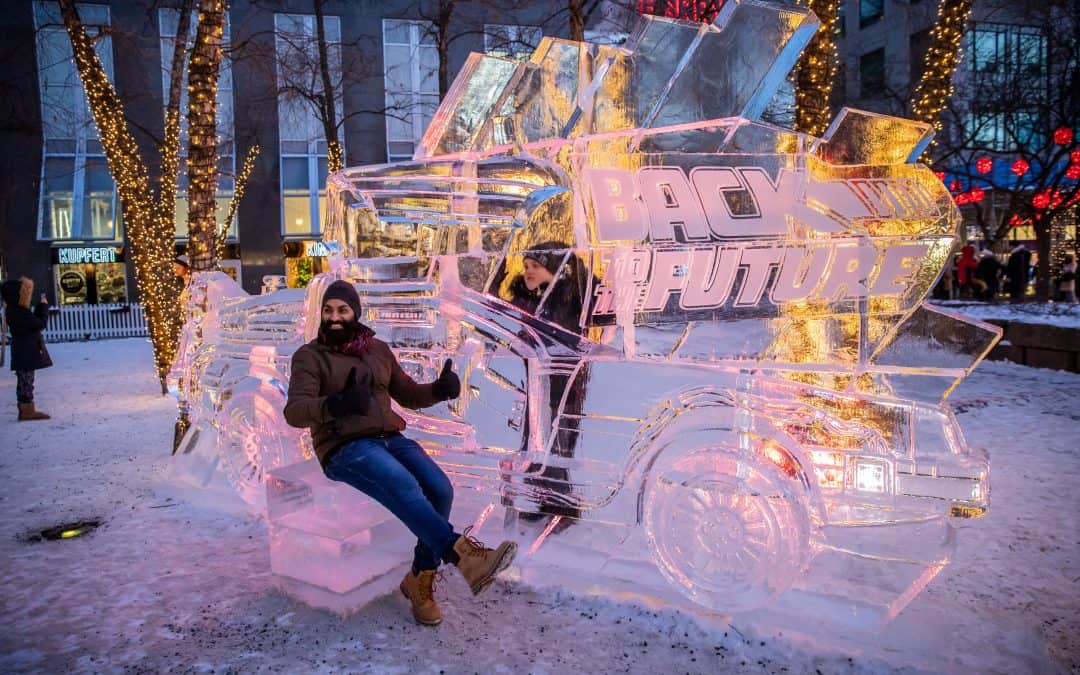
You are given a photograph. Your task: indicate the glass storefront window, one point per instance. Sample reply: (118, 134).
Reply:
(58, 196)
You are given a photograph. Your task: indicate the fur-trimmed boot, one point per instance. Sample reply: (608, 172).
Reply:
(27, 411)
(479, 564)
(420, 590)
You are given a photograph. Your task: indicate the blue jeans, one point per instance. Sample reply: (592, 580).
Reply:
(396, 472)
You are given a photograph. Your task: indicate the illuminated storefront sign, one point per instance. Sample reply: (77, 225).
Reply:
(79, 255)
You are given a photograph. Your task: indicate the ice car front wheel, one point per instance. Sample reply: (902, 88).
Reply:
(731, 535)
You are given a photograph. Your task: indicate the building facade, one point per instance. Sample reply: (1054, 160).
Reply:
(61, 218)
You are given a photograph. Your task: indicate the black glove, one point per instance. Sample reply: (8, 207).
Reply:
(448, 385)
(354, 399)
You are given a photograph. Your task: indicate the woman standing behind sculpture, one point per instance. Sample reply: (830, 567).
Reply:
(553, 270)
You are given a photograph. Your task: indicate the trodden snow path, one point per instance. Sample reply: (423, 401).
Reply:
(162, 585)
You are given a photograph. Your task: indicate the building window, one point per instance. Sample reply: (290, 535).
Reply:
(1006, 50)
(78, 197)
(918, 45)
(300, 126)
(870, 12)
(872, 74)
(511, 42)
(411, 76)
(168, 20)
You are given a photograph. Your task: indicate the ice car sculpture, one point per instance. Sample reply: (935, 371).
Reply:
(731, 387)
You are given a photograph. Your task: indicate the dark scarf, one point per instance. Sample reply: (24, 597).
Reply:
(354, 347)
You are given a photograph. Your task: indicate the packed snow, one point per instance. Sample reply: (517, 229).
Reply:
(165, 585)
(1063, 314)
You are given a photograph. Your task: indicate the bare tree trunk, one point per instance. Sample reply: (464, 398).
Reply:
(202, 129)
(149, 236)
(577, 19)
(442, 38)
(1042, 269)
(335, 159)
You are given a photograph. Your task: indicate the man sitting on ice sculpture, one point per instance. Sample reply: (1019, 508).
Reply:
(340, 389)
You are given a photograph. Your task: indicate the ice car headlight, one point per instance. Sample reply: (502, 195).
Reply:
(870, 475)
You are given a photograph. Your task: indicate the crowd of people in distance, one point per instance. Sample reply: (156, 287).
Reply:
(983, 275)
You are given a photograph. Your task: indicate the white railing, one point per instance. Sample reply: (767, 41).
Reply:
(85, 322)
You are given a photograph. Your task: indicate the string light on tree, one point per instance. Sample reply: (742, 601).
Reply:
(816, 71)
(149, 234)
(238, 194)
(942, 58)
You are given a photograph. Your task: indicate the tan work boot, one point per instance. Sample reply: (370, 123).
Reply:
(420, 590)
(27, 411)
(479, 564)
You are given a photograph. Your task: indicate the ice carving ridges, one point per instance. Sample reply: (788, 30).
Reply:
(731, 385)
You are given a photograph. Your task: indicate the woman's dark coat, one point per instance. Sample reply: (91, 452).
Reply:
(27, 327)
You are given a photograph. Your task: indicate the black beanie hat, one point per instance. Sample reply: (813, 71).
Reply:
(344, 291)
(550, 254)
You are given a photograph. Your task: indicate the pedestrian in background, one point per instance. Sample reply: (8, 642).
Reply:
(28, 352)
(1067, 280)
(1017, 269)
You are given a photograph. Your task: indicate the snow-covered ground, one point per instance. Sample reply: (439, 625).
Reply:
(163, 585)
(1064, 314)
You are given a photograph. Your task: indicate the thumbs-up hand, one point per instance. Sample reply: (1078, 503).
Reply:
(448, 385)
(354, 399)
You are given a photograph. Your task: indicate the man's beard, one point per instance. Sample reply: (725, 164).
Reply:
(339, 336)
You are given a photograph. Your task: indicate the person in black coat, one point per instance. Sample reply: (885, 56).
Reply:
(28, 352)
(989, 271)
(1017, 269)
(552, 264)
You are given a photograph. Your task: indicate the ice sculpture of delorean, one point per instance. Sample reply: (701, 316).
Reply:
(733, 365)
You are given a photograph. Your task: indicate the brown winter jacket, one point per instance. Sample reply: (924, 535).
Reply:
(318, 371)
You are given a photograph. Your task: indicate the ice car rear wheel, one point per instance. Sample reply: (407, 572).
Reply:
(727, 541)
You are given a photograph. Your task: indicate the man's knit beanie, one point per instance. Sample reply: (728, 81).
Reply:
(344, 291)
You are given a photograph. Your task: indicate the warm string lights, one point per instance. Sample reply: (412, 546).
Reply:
(335, 157)
(816, 71)
(149, 235)
(942, 58)
(202, 156)
(238, 194)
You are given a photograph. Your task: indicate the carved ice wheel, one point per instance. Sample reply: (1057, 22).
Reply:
(730, 543)
(255, 439)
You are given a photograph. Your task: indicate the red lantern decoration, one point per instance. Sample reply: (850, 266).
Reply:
(1063, 135)
(1073, 172)
(962, 198)
(956, 186)
(1041, 200)
(1074, 156)
(1020, 167)
(976, 195)
(984, 165)
(941, 174)
(1016, 220)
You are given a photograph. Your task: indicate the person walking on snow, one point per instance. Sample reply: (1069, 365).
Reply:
(28, 352)
(340, 388)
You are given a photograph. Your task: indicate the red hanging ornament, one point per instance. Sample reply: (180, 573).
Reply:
(962, 198)
(1074, 156)
(984, 165)
(956, 186)
(1041, 200)
(1073, 172)
(976, 195)
(1063, 135)
(1016, 220)
(941, 174)
(1020, 167)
